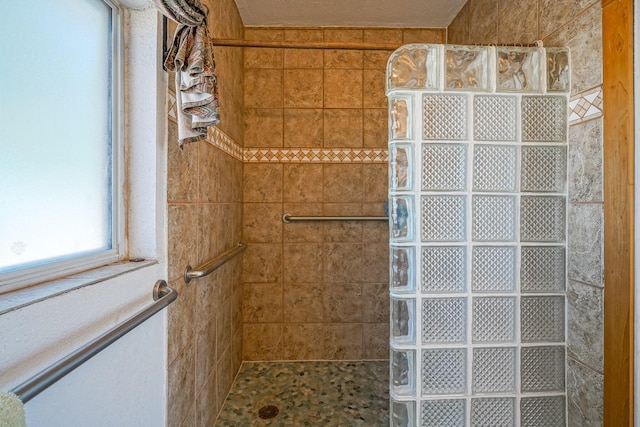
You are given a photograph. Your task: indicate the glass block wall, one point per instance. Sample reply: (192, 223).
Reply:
(477, 201)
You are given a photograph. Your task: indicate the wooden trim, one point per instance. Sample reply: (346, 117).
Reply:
(617, 36)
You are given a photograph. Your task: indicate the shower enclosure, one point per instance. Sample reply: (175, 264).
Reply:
(477, 195)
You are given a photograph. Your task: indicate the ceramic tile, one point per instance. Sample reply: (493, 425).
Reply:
(585, 248)
(301, 341)
(374, 89)
(584, 395)
(262, 222)
(374, 128)
(343, 263)
(303, 232)
(303, 58)
(383, 35)
(342, 58)
(342, 302)
(205, 353)
(302, 262)
(375, 304)
(458, 29)
(303, 302)
(263, 128)
(346, 35)
(343, 183)
(303, 89)
(517, 22)
(423, 35)
(585, 162)
(262, 58)
(303, 127)
(339, 94)
(303, 183)
(207, 402)
(262, 341)
(356, 392)
(181, 386)
(585, 327)
(263, 88)
(342, 341)
(262, 302)
(483, 20)
(262, 262)
(262, 183)
(343, 127)
(223, 329)
(375, 338)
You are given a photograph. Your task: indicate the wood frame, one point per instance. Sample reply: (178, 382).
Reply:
(618, 93)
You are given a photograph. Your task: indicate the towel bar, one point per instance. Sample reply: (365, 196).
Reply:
(287, 218)
(163, 295)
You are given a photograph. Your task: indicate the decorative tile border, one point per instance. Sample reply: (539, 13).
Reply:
(585, 106)
(225, 143)
(315, 155)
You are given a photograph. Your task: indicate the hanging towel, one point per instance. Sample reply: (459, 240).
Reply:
(11, 411)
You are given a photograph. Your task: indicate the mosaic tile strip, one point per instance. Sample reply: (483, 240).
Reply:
(172, 106)
(225, 143)
(315, 155)
(585, 106)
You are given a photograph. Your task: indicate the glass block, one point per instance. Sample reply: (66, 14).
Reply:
(445, 117)
(443, 413)
(542, 319)
(400, 167)
(544, 169)
(494, 168)
(444, 320)
(467, 68)
(542, 269)
(495, 118)
(444, 371)
(544, 118)
(402, 271)
(413, 66)
(493, 412)
(494, 370)
(542, 368)
(444, 167)
(494, 218)
(558, 71)
(518, 69)
(493, 269)
(403, 372)
(548, 411)
(403, 414)
(443, 218)
(444, 269)
(400, 118)
(494, 319)
(543, 219)
(403, 315)
(401, 214)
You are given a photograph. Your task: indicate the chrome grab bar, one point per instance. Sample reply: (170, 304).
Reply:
(213, 264)
(287, 218)
(163, 295)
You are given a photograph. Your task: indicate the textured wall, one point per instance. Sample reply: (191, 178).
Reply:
(205, 218)
(313, 290)
(578, 25)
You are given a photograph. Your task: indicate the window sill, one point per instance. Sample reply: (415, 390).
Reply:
(20, 298)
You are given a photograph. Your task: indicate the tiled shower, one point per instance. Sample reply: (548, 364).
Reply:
(478, 201)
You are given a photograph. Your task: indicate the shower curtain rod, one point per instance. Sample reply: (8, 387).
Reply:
(336, 45)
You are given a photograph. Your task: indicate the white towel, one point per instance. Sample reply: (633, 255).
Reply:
(11, 411)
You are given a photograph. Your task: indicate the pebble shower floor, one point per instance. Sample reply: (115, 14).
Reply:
(477, 194)
(340, 394)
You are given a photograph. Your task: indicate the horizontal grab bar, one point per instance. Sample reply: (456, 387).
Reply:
(288, 218)
(163, 295)
(213, 264)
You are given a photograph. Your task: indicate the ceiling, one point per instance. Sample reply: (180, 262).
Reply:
(354, 13)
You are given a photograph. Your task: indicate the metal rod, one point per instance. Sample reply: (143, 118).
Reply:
(211, 265)
(288, 218)
(305, 45)
(163, 296)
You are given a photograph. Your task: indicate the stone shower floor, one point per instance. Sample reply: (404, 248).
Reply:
(309, 394)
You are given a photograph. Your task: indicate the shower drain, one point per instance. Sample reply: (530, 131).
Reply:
(268, 412)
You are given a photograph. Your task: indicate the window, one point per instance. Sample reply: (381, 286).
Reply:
(60, 155)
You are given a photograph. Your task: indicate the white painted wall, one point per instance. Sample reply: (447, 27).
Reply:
(125, 385)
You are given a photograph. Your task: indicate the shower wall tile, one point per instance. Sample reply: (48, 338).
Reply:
(225, 374)
(301, 34)
(374, 89)
(223, 329)
(375, 341)
(208, 182)
(303, 302)
(342, 128)
(298, 346)
(304, 183)
(342, 302)
(262, 341)
(374, 128)
(585, 162)
(483, 21)
(374, 270)
(207, 402)
(303, 127)
(383, 35)
(342, 341)
(303, 58)
(585, 324)
(343, 263)
(303, 232)
(423, 35)
(263, 58)
(181, 387)
(517, 22)
(343, 183)
(346, 35)
(553, 13)
(337, 94)
(263, 88)
(182, 221)
(181, 315)
(375, 304)
(585, 251)
(342, 59)
(584, 395)
(583, 36)
(262, 183)
(262, 223)
(458, 30)
(262, 262)
(262, 302)
(375, 59)
(182, 182)
(303, 88)
(205, 353)
(302, 262)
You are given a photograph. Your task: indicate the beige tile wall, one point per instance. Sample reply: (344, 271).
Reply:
(578, 25)
(205, 217)
(312, 290)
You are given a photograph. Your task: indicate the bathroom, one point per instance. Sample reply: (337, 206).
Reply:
(313, 291)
